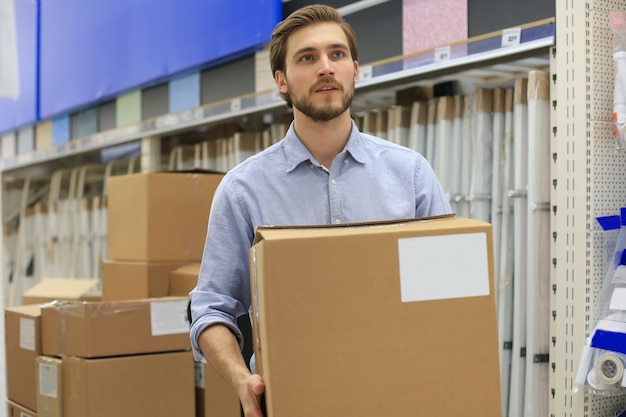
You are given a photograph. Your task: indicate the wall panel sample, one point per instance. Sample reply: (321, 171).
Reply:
(92, 51)
(22, 110)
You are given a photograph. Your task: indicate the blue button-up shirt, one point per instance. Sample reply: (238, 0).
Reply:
(371, 179)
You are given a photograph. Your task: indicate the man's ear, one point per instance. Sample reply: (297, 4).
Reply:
(356, 71)
(281, 81)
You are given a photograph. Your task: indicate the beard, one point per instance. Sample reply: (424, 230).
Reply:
(323, 113)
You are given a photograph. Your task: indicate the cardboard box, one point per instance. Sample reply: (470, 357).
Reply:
(128, 280)
(155, 385)
(49, 386)
(184, 279)
(16, 410)
(159, 216)
(98, 329)
(385, 319)
(62, 289)
(214, 396)
(22, 326)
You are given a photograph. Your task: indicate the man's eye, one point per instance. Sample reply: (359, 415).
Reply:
(338, 54)
(306, 58)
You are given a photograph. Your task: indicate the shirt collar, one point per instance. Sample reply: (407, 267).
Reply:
(297, 153)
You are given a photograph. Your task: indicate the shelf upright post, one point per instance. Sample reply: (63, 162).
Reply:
(150, 154)
(587, 182)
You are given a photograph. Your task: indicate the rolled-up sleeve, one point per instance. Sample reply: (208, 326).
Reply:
(223, 290)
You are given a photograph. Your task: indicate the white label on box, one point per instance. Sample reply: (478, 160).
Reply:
(618, 299)
(443, 53)
(199, 367)
(443, 267)
(23, 414)
(27, 334)
(47, 380)
(169, 317)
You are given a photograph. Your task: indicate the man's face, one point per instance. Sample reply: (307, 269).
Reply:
(320, 73)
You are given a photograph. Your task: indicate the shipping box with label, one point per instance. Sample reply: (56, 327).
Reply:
(387, 319)
(22, 325)
(98, 329)
(49, 386)
(159, 216)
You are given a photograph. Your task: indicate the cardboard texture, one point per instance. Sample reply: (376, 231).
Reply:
(377, 320)
(159, 216)
(49, 386)
(155, 385)
(184, 279)
(16, 410)
(62, 289)
(127, 280)
(214, 396)
(22, 326)
(99, 329)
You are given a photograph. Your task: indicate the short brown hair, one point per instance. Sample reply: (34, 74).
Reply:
(299, 19)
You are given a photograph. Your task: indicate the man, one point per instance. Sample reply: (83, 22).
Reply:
(323, 171)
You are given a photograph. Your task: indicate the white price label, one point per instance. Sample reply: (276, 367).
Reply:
(442, 53)
(511, 37)
(235, 104)
(366, 72)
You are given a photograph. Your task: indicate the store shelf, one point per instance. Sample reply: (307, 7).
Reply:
(491, 58)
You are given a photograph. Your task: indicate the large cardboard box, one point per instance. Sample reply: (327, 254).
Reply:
(16, 410)
(62, 289)
(214, 396)
(184, 279)
(98, 329)
(49, 386)
(377, 320)
(155, 385)
(159, 216)
(132, 280)
(22, 325)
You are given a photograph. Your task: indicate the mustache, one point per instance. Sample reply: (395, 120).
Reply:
(326, 81)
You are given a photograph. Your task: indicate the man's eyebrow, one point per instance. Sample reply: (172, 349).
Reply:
(311, 49)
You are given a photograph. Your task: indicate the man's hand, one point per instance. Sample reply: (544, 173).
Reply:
(251, 394)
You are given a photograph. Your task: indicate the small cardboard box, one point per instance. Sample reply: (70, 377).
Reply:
(16, 410)
(62, 289)
(159, 216)
(132, 280)
(22, 325)
(49, 386)
(214, 396)
(155, 385)
(98, 329)
(383, 319)
(184, 279)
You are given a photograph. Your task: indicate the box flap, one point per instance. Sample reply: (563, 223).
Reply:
(62, 288)
(261, 230)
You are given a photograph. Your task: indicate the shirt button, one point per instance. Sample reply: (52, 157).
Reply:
(345, 161)
(337, 221)
(312, 166)
(334, 181)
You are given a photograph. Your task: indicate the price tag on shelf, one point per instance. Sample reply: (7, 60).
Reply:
(443, 53)
(235, 104)
(366, 72)
(511, 37)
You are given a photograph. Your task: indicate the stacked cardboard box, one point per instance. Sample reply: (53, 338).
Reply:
(157, 223)
(23, 345)
(111, 358)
